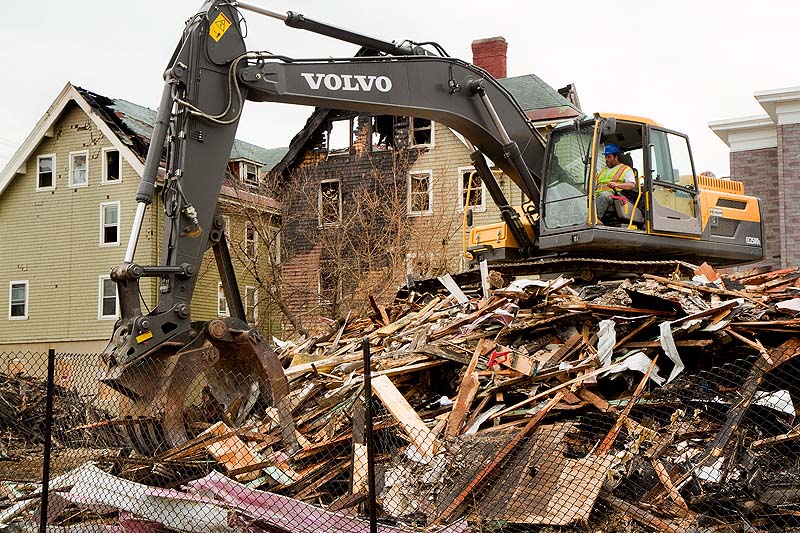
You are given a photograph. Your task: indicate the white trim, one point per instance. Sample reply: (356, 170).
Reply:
(16, 165)
(248, 303)
(411, 134)
(429, 211)
(254, 255)
(104, 179)
(243, 172)
(27, 298)
(320, 222)
(221, 298)
(275, 237)
(103, 224)
(475, 208)
(101, 296)
(226, 229)
(746, 133)
(782, 105)
(53, 186)
(70, 183)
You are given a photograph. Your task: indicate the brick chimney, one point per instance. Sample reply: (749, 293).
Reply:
(490, 55)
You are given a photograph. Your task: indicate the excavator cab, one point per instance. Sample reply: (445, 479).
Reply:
(671, 213)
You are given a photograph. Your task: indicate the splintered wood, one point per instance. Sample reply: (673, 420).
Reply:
(663, 398)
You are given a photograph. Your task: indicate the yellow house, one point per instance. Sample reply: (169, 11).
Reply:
(67, 199)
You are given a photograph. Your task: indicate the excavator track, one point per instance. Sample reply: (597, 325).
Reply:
(587, 269)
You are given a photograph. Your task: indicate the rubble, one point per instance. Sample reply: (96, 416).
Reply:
(669, 400)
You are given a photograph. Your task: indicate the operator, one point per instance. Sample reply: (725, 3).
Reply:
(616, 176)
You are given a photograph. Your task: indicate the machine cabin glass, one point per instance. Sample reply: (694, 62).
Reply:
(672, 185)
(568, 175)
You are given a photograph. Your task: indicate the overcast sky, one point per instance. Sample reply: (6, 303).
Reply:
(682, 63)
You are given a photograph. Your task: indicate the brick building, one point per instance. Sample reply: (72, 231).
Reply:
(765, 155)
(413, 171)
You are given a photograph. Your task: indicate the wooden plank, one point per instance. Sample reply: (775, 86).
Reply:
(379, 311)
(504, 452)
(467, 390)
(419, 434)
(358, 470)
(608, 441)
(232, 453)
(557, 388)
(682, 343)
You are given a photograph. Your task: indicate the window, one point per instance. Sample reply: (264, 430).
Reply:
(275, 245)
(18, 300)
(420, 192)
(476, 190)
(381, 130)
(222, 303)
(421, 132)
(251, 304)
(250, 240)
(669, 155)
(330, 203)
(107, 305)
(248, 172)
(226, 228)
(339, 138)
(112, 166)
(78, 169)
(109, 224)
(45, 172)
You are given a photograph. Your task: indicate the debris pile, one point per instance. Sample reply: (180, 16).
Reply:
(668, 400)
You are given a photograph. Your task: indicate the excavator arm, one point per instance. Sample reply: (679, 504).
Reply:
(207, 82)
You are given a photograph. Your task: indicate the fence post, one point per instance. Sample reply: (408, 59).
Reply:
(373, 517)
(48, 428)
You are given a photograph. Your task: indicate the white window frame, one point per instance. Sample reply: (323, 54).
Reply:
(101, 296)
(243, 173)
(411, 142)
(226, 220)
(254, 256)
(103, 224)
(248, 304)
(226, 311)
(71, 183)
(409, 203)
(475, 208)
(27, 298)
(39, 158)
(275, 236)
(321, 222)
(104, 179)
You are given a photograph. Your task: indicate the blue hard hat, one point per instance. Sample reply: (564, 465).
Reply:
(611, 148)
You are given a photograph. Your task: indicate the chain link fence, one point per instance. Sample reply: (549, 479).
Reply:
(715, 449)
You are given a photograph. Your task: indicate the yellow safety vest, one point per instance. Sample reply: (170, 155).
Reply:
(611, 175)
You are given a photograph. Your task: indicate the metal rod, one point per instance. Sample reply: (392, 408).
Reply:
(136, 229)
(258, 9)
(48, 429)
(368, 436)
(495, 118)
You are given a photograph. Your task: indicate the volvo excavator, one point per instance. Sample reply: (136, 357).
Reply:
(153, 358)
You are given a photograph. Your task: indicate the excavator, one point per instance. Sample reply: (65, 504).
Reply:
(154, 358)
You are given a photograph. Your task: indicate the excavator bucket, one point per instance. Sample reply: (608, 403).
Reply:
(227, 366)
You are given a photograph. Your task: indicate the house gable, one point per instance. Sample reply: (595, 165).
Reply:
(44, 129)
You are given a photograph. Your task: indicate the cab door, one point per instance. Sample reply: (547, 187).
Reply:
(671, 185)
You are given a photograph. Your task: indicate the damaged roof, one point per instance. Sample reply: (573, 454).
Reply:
(539, 100)
(133, 124)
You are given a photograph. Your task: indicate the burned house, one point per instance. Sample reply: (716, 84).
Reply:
(370, 199)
